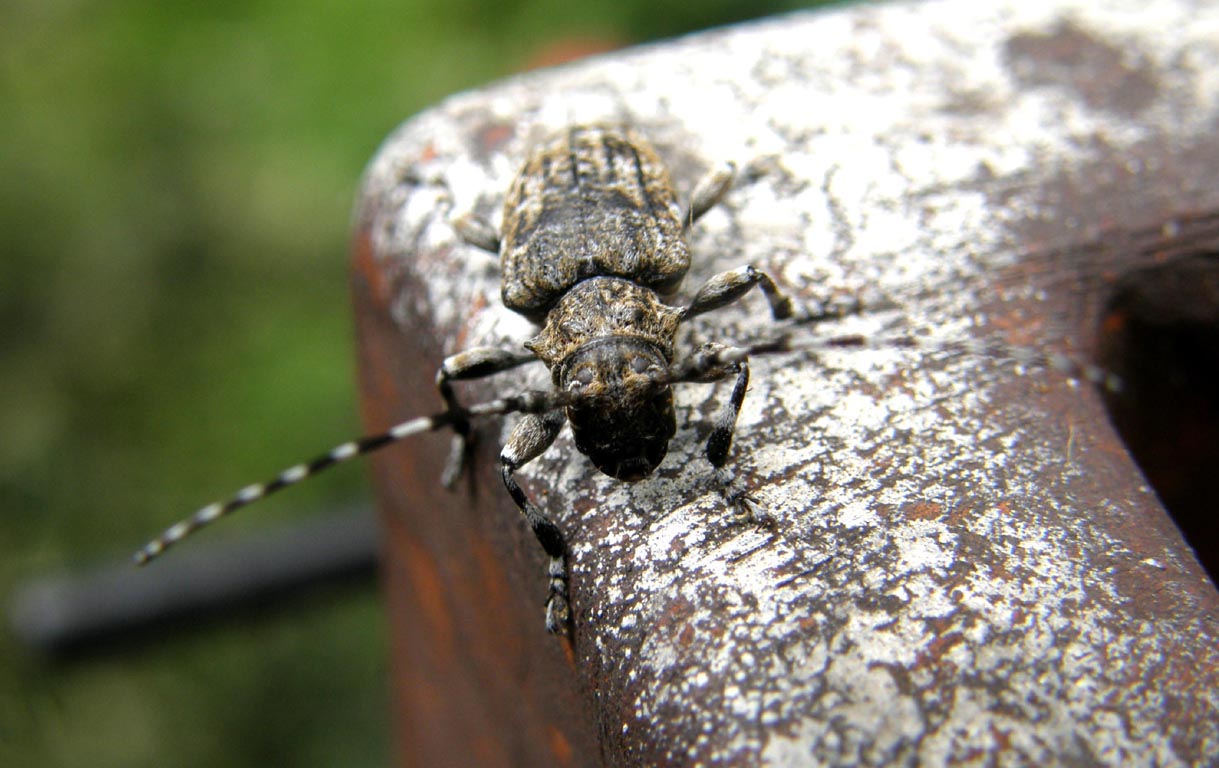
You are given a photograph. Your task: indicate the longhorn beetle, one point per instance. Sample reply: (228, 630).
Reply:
(593, 238)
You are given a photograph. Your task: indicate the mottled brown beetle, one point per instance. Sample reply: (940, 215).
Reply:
(593, 237)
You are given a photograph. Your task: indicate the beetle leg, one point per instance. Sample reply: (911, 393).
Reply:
(471, 364)
(727, 287)
(720, 440)
(832, 308)
(477, 232)
(532, 435)
(708, 192)
(714, 362)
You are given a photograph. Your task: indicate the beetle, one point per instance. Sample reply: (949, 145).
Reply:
(593, 242)
(593, 246)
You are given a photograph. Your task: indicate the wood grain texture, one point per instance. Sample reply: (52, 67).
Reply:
(965, 566)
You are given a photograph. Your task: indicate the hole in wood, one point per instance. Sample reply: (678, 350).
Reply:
(1161, 335)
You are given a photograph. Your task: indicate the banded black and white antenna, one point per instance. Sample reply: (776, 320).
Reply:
(526, 402)
(708, 358)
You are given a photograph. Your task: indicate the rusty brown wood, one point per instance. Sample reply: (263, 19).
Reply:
(965, 565)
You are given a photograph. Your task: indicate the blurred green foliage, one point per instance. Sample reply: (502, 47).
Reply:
(175, 190)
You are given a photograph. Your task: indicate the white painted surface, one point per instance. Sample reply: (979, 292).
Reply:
(932, 592)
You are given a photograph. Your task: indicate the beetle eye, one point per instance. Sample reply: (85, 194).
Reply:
(639, 364)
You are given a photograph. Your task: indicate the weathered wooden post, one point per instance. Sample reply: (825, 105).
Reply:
(965, 566)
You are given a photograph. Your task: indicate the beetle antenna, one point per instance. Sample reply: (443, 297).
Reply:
(995, 350)
(525, 402)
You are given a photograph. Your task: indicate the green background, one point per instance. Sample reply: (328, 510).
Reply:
(176, 183)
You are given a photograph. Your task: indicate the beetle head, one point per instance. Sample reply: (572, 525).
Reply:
(622, 408)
